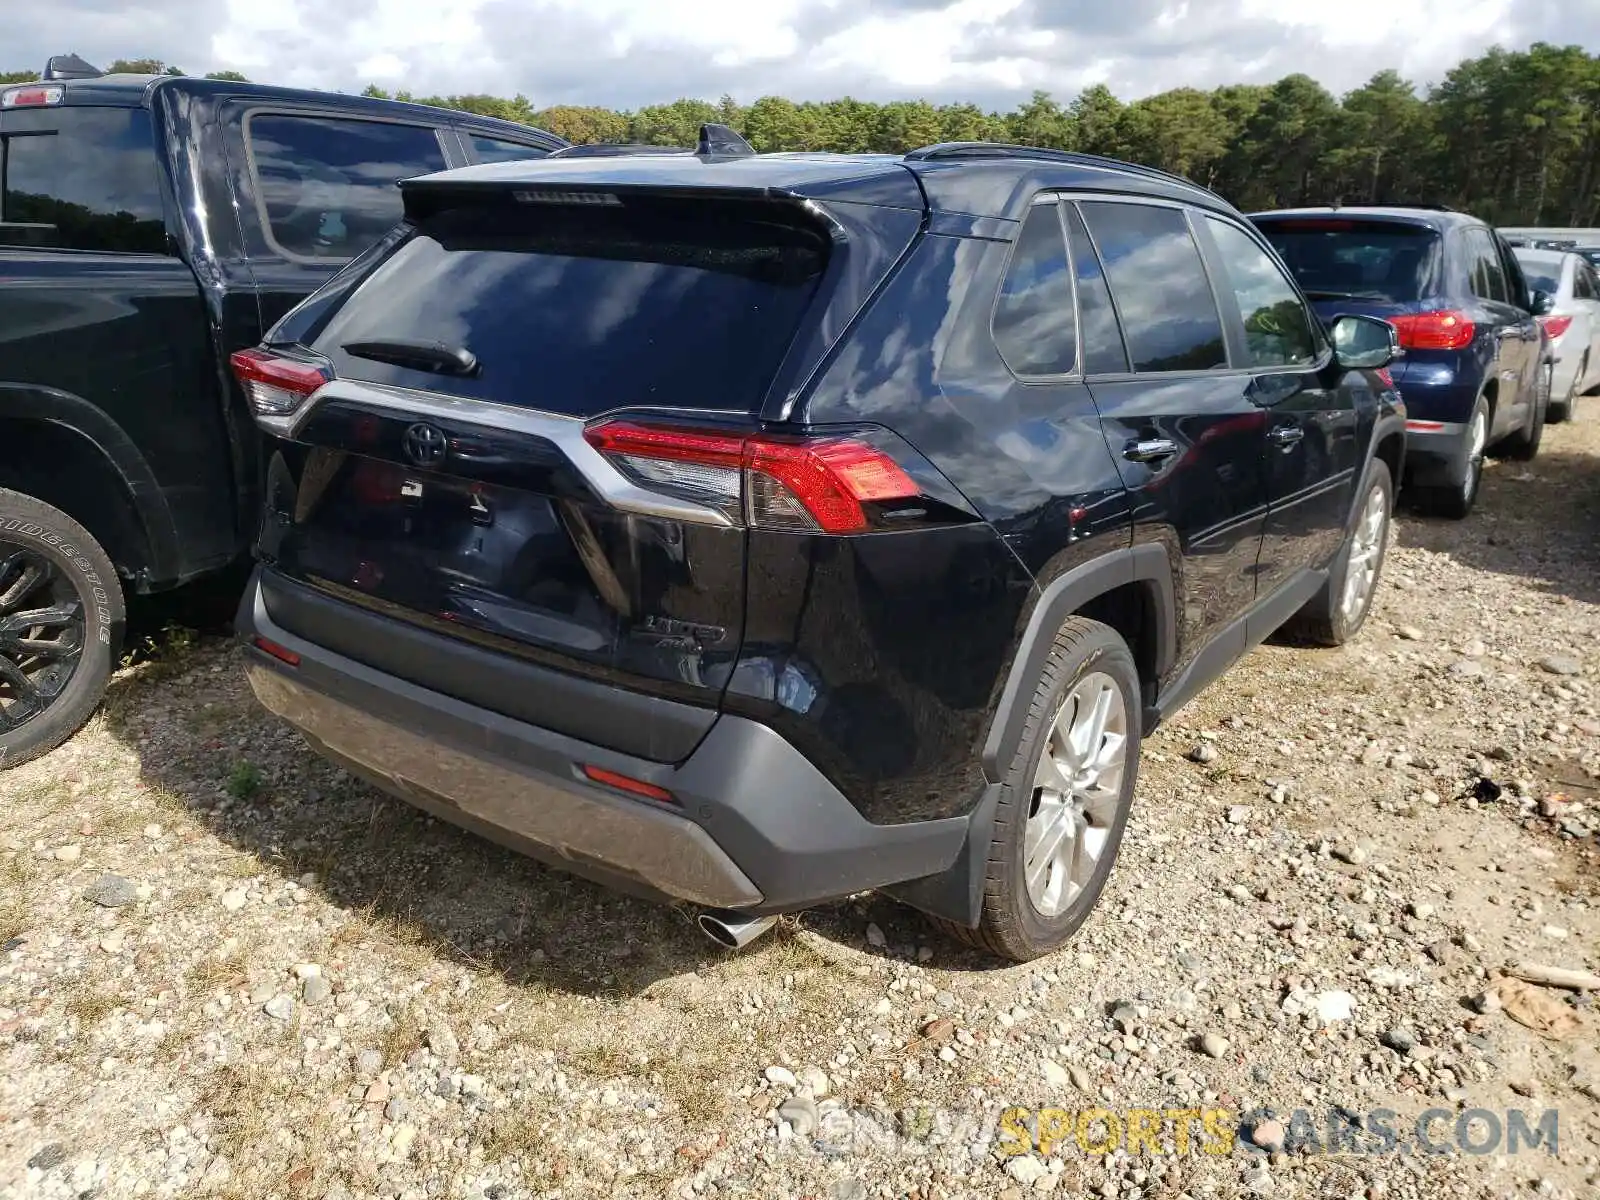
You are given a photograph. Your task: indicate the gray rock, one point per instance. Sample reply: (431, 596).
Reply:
(1354, 855)
(1125, 1017)
(1410, 633)
(875, 937)
(112, 891)
(1560, 664)
(48, 1157)
(395, 1110)
(1205, 752)
(1399, 1039)
(279, 1008)
(442, 1041)
(1214, 1045)
(801, 1112)
(1270, 1135)
(1054, 1073)
(848, 1189)
(369, 1062)
(781, 1076)
(1467, 668)
(1080, 1078)
(316, 989)
(446, 1086)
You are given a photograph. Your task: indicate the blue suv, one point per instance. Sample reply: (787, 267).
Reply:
(1477, 368)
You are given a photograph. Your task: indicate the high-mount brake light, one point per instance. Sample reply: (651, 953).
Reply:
(32, 96)
(802, 484)
(1446, 329)
(276, 385)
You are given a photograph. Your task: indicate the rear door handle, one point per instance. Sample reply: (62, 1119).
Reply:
(1285, 436)
(1149, 450)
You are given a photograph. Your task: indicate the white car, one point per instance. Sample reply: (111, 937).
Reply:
(1573, 324)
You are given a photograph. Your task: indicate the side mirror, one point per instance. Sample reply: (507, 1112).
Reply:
(1364, 343)
(1542, 304)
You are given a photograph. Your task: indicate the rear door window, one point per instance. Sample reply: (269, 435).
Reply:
(1342, 258)
(327, 185)
(1484, 268)
(87, 176)
(1169, 315)
(580, 309)
(493, 150)
(1103, 349)
(1277, 327)
(1033, 321)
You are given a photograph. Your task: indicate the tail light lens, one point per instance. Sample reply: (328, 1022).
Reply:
(1556, 326)
(787, 483)
(1445, 329)
(31, 97)
(277, 385)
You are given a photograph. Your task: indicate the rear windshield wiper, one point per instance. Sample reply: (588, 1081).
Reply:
(418, 355)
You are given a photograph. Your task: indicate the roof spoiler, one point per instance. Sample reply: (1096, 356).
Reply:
(70, 66)
(716, 142)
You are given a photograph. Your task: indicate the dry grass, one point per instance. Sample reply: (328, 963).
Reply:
(90, 1005)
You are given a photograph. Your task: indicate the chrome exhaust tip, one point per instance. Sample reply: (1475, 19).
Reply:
(732, 930)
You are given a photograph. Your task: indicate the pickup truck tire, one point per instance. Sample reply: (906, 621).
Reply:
(1084, 714)
(61, 621)
(1336, 613)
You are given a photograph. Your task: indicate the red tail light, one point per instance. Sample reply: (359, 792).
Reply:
(1446, 329)
(788, 483)
(1556, 326)
(31, 97)
(275, 384)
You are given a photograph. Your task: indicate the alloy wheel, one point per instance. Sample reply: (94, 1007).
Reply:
(41, 634)
(1477, 441)
(1076, 791)
(1366, 553)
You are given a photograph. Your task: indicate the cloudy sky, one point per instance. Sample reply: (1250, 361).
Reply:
(623, 53)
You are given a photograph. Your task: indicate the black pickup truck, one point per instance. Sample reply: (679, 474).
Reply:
(149, 227)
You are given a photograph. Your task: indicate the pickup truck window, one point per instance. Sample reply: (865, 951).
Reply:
(493, 150)
(327, 184)
(90, 173)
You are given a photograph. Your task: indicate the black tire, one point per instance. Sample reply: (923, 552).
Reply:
(1325, 621)
(1562, 410)
(49, 565)
(1011, 926)
(1463, 478)
(1523, 445)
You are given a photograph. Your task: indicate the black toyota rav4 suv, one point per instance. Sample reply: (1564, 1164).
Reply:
(755, 530)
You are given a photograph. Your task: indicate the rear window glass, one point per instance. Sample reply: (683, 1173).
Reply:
(1337, 259)
(1541, 276)
(686, 304)
(327, 185)
(89, 172)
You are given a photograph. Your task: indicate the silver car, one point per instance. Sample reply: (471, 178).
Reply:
(1573, 324)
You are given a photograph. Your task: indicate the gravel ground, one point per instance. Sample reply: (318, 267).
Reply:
(228, 969)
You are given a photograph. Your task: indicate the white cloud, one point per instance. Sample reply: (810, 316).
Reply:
(625, 53)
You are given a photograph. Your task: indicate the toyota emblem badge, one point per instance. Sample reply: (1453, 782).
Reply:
(425, 445)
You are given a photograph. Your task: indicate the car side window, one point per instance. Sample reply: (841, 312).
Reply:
(493, 150)
(1103, 350)
(1159, 283)
(1277, 327)
(1583, 283)
(1487, 273)
(326, 185)
(1034, 326)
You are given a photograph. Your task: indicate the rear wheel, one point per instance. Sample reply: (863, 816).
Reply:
(61, 619)
(1337, 613)
(1562, 410)
(1524, 444)
(1458, 492)
(1066, 797)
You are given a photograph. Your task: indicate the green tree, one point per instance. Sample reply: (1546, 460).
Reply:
(1041, 122)
(1178, 131)
(141, 66)
(228, 76)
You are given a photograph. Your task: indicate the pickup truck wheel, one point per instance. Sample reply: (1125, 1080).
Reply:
(61, 619)
(1336, 613)
(1455, 497)
(1065, 800)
